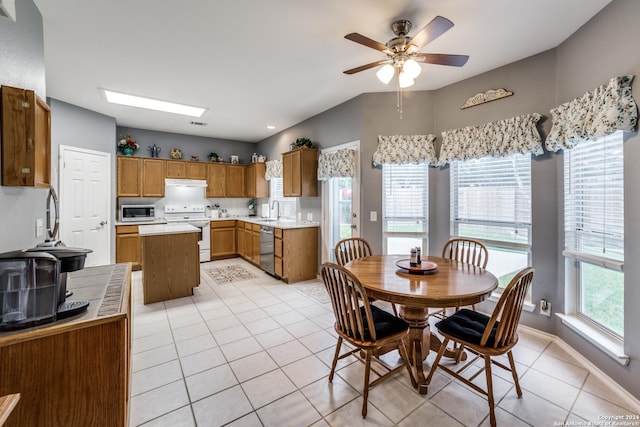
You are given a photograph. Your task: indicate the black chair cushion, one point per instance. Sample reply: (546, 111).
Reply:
(468, 325)
(385, 323)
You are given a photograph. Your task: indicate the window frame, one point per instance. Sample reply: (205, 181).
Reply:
(575, 258)
(424, 235)
(493, 244)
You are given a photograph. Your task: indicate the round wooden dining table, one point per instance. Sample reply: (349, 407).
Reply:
(450, 284)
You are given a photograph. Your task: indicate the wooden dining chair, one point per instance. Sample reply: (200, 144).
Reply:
(465, 250)
(486, 336)
(351, 248)
(365, 327)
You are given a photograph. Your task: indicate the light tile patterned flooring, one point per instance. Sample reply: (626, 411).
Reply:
(258, 353)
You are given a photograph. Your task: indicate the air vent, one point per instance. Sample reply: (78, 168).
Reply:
(198, 123)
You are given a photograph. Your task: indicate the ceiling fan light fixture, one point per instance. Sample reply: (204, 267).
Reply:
(385, 74)
(412, 68)
(405, 80)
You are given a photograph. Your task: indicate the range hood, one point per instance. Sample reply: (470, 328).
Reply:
(172, 182)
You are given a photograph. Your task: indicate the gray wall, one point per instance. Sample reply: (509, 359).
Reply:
(604, 48)
(78, 127)
(22, 65)
(189, 144)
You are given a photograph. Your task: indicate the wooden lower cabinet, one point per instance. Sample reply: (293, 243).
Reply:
(223, 239)
(128, 245)
(74, 372)
(255, 244)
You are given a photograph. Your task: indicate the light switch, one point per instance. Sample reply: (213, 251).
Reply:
(39, 227)
(373, 216)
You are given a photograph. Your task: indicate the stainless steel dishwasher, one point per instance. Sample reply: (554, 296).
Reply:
(267, 261)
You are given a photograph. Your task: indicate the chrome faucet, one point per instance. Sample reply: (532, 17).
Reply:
(278, 211)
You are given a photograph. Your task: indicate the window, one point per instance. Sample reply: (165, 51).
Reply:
(405, 205)
(491, 202)
(594, 230)
(287, 205)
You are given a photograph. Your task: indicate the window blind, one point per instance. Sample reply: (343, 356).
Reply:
(594, 198)
(405, 198)
(491, 198)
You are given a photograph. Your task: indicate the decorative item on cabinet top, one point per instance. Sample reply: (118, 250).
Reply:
(127, 145)
(213, 157)
(303, 142)
(176, 153)
(155, 150)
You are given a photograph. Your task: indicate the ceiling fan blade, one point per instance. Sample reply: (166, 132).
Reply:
(366, 41)
(367, 66)
(442, 59)
(434, 29)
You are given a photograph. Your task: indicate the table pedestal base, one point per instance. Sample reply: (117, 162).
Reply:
(420, 340)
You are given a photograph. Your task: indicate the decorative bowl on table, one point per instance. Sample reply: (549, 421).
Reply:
(424, 267)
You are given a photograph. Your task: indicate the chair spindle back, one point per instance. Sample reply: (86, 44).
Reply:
(352, 248)
(466, 250)
(346, 295)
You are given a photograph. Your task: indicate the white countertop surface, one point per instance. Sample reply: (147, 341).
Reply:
(281, 223)
(156, 229)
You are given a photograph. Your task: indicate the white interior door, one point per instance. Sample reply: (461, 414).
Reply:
(85, 202)
(340, 206)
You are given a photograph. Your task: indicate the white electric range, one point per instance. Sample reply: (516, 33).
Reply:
(195, 215)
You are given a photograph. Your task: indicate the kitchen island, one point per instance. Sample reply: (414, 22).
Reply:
(170, 256)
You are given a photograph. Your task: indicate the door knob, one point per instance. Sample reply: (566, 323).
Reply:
(354, 226)
(103, 223)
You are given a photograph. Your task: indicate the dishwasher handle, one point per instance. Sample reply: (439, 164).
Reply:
(266, 230)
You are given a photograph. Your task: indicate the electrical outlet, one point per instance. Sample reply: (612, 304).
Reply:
(309, 216)
(39, 227)
(545, 307)
(299, 216)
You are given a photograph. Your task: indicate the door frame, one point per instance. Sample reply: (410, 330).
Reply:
(62, 191)
(325, 234)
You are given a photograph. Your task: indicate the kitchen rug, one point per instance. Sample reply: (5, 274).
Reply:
(315, 290)
(230, 273)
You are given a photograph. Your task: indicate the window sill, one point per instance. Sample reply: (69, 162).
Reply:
(609, 345)
(495, 296)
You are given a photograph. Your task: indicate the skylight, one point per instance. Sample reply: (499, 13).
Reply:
(152, 104)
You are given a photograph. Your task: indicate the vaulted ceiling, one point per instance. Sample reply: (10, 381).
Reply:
(255, 63)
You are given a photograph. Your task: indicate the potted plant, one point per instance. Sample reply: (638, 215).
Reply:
(213, 157)
(304, 142)
(252, 205)
(127, 145)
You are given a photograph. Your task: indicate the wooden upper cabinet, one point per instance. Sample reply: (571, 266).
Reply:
(152, 178)
(26, 139)
(216, 180)
(175, 169)
(196, 170)
(235, 181)
(255, 183)
(300, 173)
(129, 176)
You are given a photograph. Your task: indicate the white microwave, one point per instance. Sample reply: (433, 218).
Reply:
(137, 213)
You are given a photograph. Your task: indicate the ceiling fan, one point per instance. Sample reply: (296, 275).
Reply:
(403, 52)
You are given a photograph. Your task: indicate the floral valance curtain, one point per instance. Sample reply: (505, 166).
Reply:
(403, 149)
(595, 114)
(339, 164)
(273, 169)
(497, 139)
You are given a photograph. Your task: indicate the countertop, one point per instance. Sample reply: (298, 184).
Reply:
(173, 228)
(103, 286)
(282, 223)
